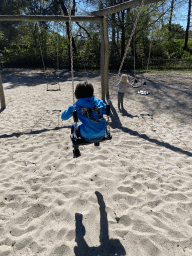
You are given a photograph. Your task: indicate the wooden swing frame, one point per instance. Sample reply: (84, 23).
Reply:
(97, 16)
(2, 96)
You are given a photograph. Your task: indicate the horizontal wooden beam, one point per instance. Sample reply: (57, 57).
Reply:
(122, 6)
(48, 18)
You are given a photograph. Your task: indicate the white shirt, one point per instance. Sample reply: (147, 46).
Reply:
(123, 86)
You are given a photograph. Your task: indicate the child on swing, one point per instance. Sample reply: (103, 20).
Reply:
(90, 112)
(122, 87)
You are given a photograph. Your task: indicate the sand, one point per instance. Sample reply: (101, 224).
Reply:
(129, 196)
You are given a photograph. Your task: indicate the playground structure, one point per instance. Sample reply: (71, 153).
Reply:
(96, 16)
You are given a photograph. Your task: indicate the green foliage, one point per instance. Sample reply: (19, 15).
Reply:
(12, 6)
(168, 32)
(88, 52)
(2, 41)
(175, 49)
(172, 49)
(20, 41)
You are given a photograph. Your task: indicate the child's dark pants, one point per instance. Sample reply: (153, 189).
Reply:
(80, 136)
(120, 99)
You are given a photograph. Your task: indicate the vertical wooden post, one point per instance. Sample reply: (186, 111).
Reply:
(106, 64)
(102, 57)
(2, 96)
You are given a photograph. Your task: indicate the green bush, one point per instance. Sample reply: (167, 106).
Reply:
(172, 49)
(175, 49)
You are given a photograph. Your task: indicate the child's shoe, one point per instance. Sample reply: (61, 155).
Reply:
(76, 153)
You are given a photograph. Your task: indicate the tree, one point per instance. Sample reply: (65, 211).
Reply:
(11, 7)
(65, 12)
(173, 31)
(187, 28)
(171, 14)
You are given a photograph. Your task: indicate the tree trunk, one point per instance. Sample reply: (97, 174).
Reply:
(187, 29)
(171, 14)
(67, 23)
(163, 11)
(2, 96)
(113, 29)
(123, 34)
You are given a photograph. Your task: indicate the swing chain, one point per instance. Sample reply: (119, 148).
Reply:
(41, 51)
(72, 72)
(71, 51)
(108, 125)
(129, 42)
(58, 55)
(150, 48)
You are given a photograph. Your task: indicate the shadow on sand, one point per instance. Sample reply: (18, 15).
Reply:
(1, 110)
(18, 134)
(24, 77)
(116, 123)
(108, 247)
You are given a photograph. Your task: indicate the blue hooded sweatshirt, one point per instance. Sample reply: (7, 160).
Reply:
(90, 112)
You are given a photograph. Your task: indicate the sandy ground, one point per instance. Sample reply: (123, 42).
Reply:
(129, 196)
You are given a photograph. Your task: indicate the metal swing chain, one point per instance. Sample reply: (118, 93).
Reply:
(41, 51)
(129, 42)
(134, 53)
(42, 58)
(58, 56)
(72, 72)
(133, 31)
(150, 49)
(149, 57)
(71, 52)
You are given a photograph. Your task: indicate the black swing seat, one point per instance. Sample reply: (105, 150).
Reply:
(80, 142)
(51, 90)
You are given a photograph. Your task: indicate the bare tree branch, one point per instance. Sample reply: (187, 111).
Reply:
(86, 31)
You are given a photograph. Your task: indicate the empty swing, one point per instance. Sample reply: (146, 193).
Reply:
(136, 83)
(143, 91)
(57, 71)
(128, 45)
(150, 46)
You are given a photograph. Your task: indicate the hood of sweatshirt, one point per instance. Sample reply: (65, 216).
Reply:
(89, 102)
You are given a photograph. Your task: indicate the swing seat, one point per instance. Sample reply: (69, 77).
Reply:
(55, 84)
(80, 142)
(53, 89)
(136, 86)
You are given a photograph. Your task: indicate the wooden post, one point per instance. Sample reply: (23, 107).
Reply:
(2, 96)
(102, 58)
